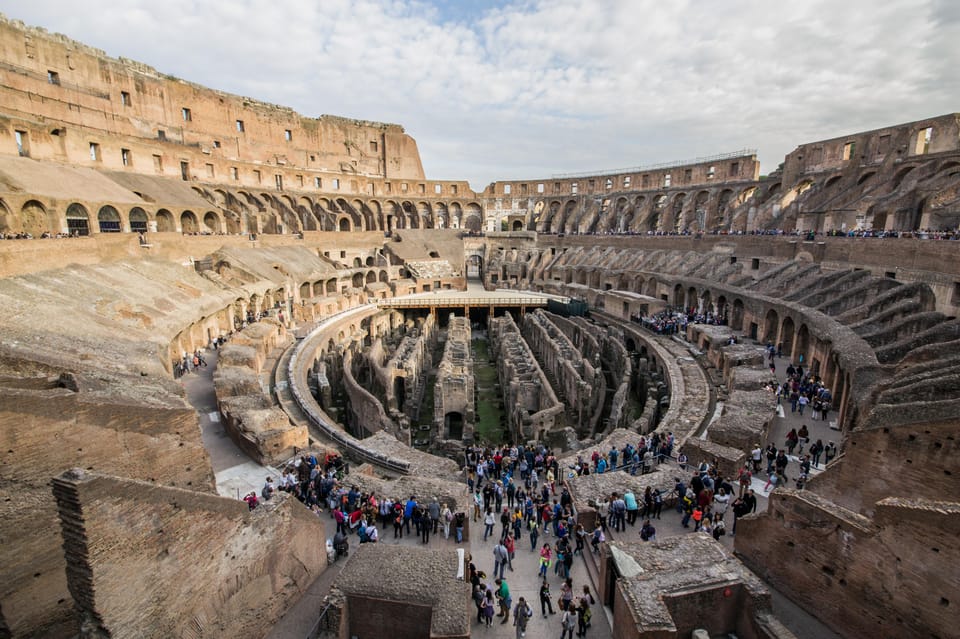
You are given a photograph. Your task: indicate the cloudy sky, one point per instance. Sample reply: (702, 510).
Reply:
(531, 88)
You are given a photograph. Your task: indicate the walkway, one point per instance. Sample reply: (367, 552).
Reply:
(236, 474)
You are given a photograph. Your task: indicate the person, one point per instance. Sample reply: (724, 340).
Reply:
(597, 539)
(477, 504)
(534, 533)
(372, 535)
(434, 510)
(545, 555)
(816, 450)
(268, 489)
(792, 440)
(500, 558)
(719, 528)
(458, 520)
(251, 500)
(581, 536)
(566, 594)
(511, 548)
(503, 596)
(744, 477)
(630, 500)
(647, 531)
(720, 502)
(545, 602)
(829, 453)
(583, 616)
(340, 544)
(657, 503)
(446, 517)
(521, 614)
(479, 594)
(489, 522)
(488, 606)
(756, 455)
(803, 436)
(568, 621)
(682, 461)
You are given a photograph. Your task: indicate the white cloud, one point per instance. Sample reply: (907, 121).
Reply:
(527, 89)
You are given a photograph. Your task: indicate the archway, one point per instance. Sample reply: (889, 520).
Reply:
(33, 218)
(108, 219)
(786, 336)
(344, 224)
(453, 425)
(770, 325)
(517, 225)
(78, 221)
(165, 221)
(188, 222)
(138, 220)
(212, 221)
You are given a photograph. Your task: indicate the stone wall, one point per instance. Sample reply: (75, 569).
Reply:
(46, 429)
(455, 385)
(891, 576)
(535, 409)
(153, 561)
(579, 380)
(250, 416)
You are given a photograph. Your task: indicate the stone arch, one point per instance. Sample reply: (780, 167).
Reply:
(108, 220)
(833, 181)
(343, 224)
(676, 221)
(678, 299)
(802, 347)
(357, 280)
(211, 221)
(165, 223)
(656, 213)
(384, 277)
(651, 288)
(371, 277)
(567, 217)
(866, 176)
(33, 218)
(473, 220)
(456, 215)
(719, 218)
(78, 220)
(547, 224)
(736, 319)
(392, 216)
(8, 222)
(771, 324)
(441, 216)
(701, 206)
(692, 299)
(332, 285)
(188, 222)
(770, 191)
(787, 332)
(410, 215)
(425, 215)
(139, 222)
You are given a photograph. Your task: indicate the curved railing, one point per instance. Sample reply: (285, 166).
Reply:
(296, 374)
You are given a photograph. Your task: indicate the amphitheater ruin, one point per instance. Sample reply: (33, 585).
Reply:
(362, 309)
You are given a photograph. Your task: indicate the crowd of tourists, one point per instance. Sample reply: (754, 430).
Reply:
(670, 321)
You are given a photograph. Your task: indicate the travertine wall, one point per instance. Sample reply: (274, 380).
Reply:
(150, 561)
(455, 385)
(44, 430)
(893, 576)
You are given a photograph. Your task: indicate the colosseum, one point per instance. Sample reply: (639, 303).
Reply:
(249, 288)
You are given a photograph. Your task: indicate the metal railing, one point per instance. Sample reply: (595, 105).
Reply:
(462, 301)
(661, 165)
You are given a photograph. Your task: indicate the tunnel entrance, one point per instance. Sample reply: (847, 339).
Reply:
(453, 425)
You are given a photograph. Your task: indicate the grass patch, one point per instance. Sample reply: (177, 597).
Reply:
(488, 428)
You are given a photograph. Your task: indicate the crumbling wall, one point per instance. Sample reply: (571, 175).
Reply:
(150, 561)
(894, 575)
(455, 385)
(251, 417)
(43, 431)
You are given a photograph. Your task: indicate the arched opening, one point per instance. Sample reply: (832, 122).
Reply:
(165, 221)
(188, 222)
(384, 277)
(7, 221)
(802, 348)
(678, 300)
(212, 221)
(138, 220)
(399, 392)
(108, 219)
(736, 321)
(770, 325)
(517, 225)
(357, 280)
(786, 336)
(78, 221)
(357, 262)
(371, 277)
(33, 218)
(344, 224)
(306, 291)
(453, 425)
(630, 345)
(331, 286)
(474, 218)
(368, 261)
